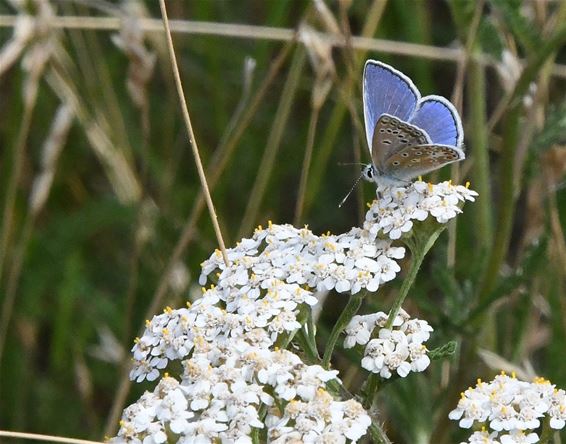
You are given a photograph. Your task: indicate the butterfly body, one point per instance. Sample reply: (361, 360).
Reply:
(408, 135)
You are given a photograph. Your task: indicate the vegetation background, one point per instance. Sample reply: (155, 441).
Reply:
(103, 223)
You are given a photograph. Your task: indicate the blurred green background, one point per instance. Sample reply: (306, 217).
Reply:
(103, 224)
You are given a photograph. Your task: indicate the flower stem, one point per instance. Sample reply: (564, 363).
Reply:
(378, 435)
(419, 244)
(370, 389)
(256, 433)
(547, 432)
(311, 334)
(347, 314)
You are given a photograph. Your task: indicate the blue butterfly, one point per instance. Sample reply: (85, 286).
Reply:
(408, 135)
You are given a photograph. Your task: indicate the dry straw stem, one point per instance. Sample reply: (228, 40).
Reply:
(116, 165)
(47, 438)
(193, 141)
(265, 33)
(38, 198)
(31, 85)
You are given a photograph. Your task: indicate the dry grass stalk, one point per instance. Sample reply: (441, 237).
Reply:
(117, 167)
(192, 138)
(34, 65)
(270, 33)
(320, 56)
(50, 155)
(45, 438)
(24, 31)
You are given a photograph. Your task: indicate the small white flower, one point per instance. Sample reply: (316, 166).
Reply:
(519, 437)
(392, 214)
(511, 406)
(482, 437)
(397, 350)
(557, 410)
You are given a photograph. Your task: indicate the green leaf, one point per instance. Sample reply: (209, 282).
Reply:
(554, 129)
(443, 351)
(462, 14)
(490, 39)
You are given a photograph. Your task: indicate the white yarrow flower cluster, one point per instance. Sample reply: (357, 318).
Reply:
(399, 349)
(393, 212)
(318, 421)
(513, 409)
(235, 379)
(220, 397)
(347, 262)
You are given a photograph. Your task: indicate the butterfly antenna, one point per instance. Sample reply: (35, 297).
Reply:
(350, 163)
(351, 190)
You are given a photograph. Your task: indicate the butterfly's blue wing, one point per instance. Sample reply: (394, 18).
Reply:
(386, 90)
(438, 117)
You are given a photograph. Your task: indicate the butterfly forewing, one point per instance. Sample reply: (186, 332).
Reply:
(392, 135)
(386, 91)
(412, 161)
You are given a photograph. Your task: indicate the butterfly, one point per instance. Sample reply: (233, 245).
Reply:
(408, 135)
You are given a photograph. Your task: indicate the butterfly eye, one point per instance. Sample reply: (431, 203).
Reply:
(419, 153)
(381, 130)
(396, 163)
(405, 154)
(387, 142)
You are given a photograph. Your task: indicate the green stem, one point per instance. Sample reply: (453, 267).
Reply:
(509, 173)
(378, 434)
(547, 432)
(347, 314)
(419, 246)
(479, 137)
(307, 346)
(370, 390)
(256, 433)
(306, 165)
(311, 334)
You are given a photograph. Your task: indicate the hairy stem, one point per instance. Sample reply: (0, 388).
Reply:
(347, 314)
(419, 244)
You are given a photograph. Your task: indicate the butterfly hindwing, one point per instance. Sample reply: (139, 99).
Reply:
(438, 117)
(386, 91)
(412, 161)
(391, 135)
